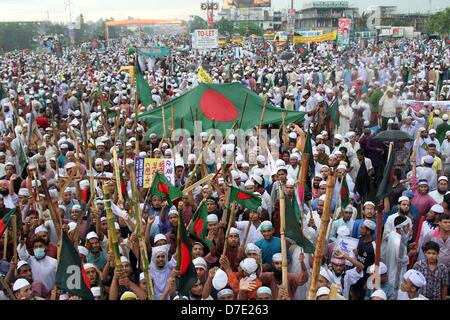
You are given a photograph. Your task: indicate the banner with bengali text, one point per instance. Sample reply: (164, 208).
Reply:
(330, 36)
(146, 168)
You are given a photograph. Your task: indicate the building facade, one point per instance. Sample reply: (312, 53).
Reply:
(324, 14)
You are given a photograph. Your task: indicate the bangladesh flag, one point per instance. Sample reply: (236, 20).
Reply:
(143, 89)
(345, 193)
(6, 220)
(188, 275)
(198, 229)
(308, 150)
(303, 50)
(294, 228)
(221, 104)
(105, 103)
(334, 112)
(161, 186)
(245, 198)
(70, 274)
(385, 187)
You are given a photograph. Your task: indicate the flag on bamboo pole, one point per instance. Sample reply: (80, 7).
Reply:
(143, 89)
(385, 187)
(188, 274)
(198, 229)
(334, 112)
(294, 228)
(161, 186)
(6, 220)
(70, 274)
(245, 198)
(110, 112)
(345, 193)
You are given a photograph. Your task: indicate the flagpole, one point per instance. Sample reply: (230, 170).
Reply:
(117, 173)
(164, 122)
(243, 110)
(113, 241)
(262, 118)
(318, 254)
(230, 224)
(140, 234)
(5, 244)
(14, 230)
(172, 109)
(56, 218)
(284, 264)
(178, 252)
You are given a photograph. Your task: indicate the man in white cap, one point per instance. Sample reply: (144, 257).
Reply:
(43, 267)
(383, 282)
(293, 167)
(433, 161)
(403, 209)
(346, 115)
(96, 255)
(413, 281)
(345, 220)
(388, 105)
(430, 224)
(378, 295)
(23, 291)
(273, 279)
(441, 130)
(442, 189)
(246, 272)
(24, 271)
(445, 148)
(201, 267)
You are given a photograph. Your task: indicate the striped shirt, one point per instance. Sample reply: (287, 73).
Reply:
(436, 279)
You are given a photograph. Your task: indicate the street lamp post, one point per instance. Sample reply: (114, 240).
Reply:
(209, 7)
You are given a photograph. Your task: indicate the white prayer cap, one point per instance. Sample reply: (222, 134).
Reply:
(224, 292)
(212, 218)
(102, 218)
(290, 183)
(88, 266)
(220, 280)
(245, 165)
(295, 155)
(235, 175)
(324, 273)
(403, 198)
(382, 266)
(261, 158)
(19, 284)
(342, 167)
(265, 225)
(293, 135)
(124, 260)
(323, 183)
(249, 183)
(96, 292)
(142, 154)
(159, 237)
(91, 235)
(64, 146)
(323, 291)
(369, 224)
(369, 203)
(76, 207)
(234, 230)
(199, 262)
(416, 277)
(322, 198)
(276, 257)
(379, 294)
(40, 229)
(24, 192)
(258, 179)
(21, 263)
(240, 158)
(82, 250)
(250, 247)
(437, 208)
(99, 161)
(338, 153)
(445, 117)
(264, 290)
(338, 137)
(280, 163)
(432, 131)
(231, 137)
(249, 265)
(442, 178)
(343, 231)
(221, 180)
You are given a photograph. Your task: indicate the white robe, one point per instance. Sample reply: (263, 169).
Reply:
(302, 291)
(344, 124)
(392, 256)
(43, 270)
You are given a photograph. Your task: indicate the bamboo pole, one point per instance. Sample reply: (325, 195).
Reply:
(5, 244)
(318, 254)
(14, 230)
(172, 109)
(56, 218)
(8, 289)
(284, 263)
(262, 118)
(227, 202)
(230, 224)
(333, 291)
(111, 228)
(199, 182)
(140, 234)
(243, 110)
(117, 173)
(164, 122)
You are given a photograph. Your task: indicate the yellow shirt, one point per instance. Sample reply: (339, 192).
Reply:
(437, 164)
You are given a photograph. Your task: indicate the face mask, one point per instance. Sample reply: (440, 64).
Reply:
(39, 253)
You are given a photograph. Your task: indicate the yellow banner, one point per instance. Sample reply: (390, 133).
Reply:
(129, 69)
(204, 76)
(324, 37)
(146, 168)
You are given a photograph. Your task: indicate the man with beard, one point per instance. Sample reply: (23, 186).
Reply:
(96, 255)
(273, 279)
(68, 202)
(23, 290)
(429, 225)
(38, 288)
(315, 192)
(161, 269)
(44, 171)
(368, 213)
(442, 188)
(234, 251)
(42, 266)
(7, 192)
(41, 232)
(156, 209)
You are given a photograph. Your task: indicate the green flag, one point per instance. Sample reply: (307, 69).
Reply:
(105, 103)
(345, 193)
(6, 220)
(198, 229)
(385, 187)
(294, 229)
(245, 198)
(188, 275)
(161, 186)
(143, 89)
(70, 274)
(334, 112)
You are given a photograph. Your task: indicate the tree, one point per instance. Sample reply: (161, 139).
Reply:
(17, 35)
(197, 23)
(249, 28)
(225, 27)
(361, 21)
(439, 23)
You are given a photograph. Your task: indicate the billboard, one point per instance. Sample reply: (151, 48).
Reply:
(343, 36)
(246, 3)
(205, 39)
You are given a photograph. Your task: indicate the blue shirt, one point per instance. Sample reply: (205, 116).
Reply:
(357, 225)
(99, 260)
(315, 202)
(269, 248)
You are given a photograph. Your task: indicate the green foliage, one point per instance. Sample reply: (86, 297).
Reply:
(17, 35)
(439, 23)
(197, 23)
(225, 27)
(249, 28)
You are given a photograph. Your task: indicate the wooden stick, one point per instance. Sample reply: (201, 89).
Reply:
(5, 244)
(67, 183)
(14, 230)
(112, 234)
(247, 231)
(284, 263)
(230, 224)
(8, 289)
(318, 254)
(117, 173)
(227, 203)
(262, 118)
(56, 218)
(199, 182)
(243, 110)
(333, 291)
(164, 122)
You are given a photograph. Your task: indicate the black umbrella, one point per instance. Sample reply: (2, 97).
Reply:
(393, 135)
(286, 55)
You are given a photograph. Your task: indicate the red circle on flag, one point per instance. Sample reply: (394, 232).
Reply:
(185, 258)
(163, 188)
(216, 106)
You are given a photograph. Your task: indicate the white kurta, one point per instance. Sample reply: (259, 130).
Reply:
(43, 270)
(392, 256)
(344, 124)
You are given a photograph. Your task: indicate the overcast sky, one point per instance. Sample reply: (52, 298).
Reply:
(57, 10)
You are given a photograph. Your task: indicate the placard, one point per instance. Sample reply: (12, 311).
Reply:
(147, 167)
(205, 39)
